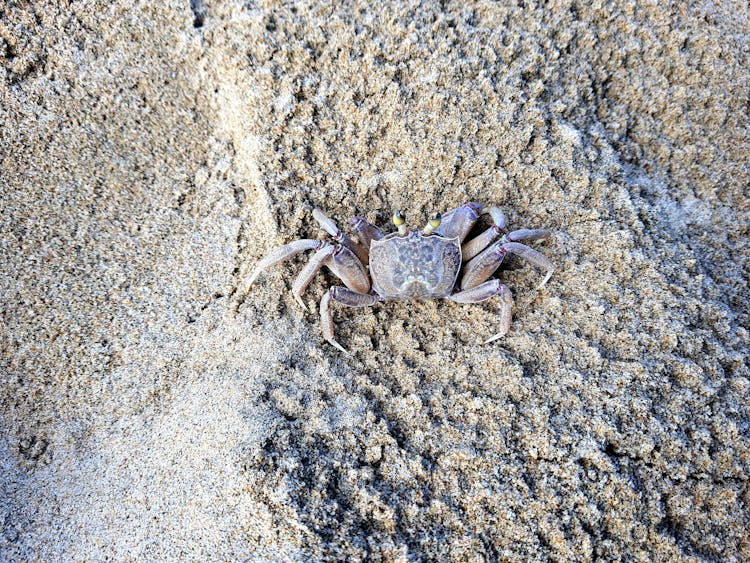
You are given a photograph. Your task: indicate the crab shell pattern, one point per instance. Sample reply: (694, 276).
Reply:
(416, 266)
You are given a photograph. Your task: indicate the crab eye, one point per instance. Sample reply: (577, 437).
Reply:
(432, 224)
(398, 219)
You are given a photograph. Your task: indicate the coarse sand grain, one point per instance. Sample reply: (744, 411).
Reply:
(154, 407)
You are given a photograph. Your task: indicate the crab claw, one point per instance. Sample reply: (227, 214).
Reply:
(458, 223)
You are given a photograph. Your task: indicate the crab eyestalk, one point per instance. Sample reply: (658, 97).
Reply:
(400, 222)
(432, 224)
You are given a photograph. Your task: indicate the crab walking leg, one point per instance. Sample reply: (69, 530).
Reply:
(349, 269)
(346, 297)
(282, 253)
(481, 292)
(326, 322)
(341, 261)
(485, 291)
(366, 231)
(458, 222)
(308, 272)
(506, 313)
(350, 298)
(339, 236)
(479, 243)
(532, 257)
(527, 234)
(481, 267)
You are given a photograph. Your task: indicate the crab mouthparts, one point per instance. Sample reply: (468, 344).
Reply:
(417, 284)
(414, 288)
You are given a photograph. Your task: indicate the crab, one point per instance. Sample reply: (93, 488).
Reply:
(432, 263)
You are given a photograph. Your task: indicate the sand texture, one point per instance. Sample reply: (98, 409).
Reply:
(153, 407)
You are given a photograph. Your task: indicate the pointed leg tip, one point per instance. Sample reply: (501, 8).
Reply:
(546, 279)
(252, 278)
(494, 337)
(298, 299)
(338, 346)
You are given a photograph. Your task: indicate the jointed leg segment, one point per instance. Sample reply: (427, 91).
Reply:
(481, 267)
(485, 291)
(309, 271)
(533, 257)
(346, 297)
(339, 236)
(282, 253)
(349, 269)
(527, 234)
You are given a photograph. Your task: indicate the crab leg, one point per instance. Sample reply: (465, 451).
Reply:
(350, 298)
(506, 311)
(479, 243)
(485, 291)
(458, 222)
(532, 257)
(527, 234)
(339, 236)
(326, 322)
(282, 253)
(345, 297)
(308, 272)
(481, 267)
(366, 231)
(341, 261)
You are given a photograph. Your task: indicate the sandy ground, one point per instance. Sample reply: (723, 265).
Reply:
(154, 408)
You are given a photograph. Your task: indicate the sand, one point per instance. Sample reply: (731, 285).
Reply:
(154, 407)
